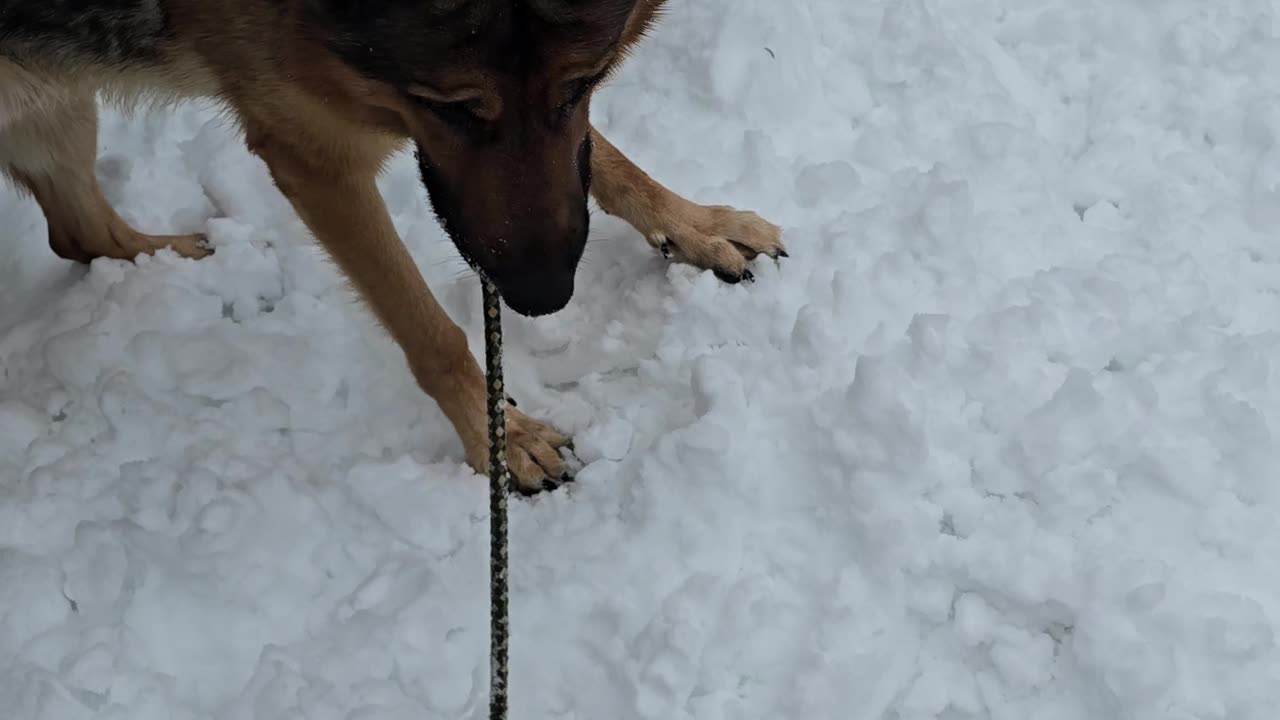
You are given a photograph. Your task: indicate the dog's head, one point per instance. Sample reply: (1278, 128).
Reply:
(495, 94)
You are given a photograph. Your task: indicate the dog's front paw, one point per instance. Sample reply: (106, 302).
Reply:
(718, 238)
(533, 454)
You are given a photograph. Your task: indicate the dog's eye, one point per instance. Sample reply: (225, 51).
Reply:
(575, 92)
(461, 114)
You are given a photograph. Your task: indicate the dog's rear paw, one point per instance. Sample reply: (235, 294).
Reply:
(125, 243)
(719, 238)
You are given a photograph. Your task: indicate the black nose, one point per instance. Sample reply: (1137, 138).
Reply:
(536, 292)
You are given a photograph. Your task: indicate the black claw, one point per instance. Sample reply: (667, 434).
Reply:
(726, 277)
(783, 253)
(548, 485)
(748, 276)
(512, 401)
(665, 249)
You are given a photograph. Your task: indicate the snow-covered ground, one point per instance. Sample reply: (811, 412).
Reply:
(995, 442)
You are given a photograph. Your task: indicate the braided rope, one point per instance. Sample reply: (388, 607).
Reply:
(499, 483)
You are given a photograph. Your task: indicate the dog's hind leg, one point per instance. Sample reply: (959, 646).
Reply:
(714, 237)
(49, 149)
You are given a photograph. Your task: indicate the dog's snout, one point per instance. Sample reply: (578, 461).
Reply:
(542, 291)
(535, 273)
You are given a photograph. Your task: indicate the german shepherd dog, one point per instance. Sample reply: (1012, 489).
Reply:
(493, 94)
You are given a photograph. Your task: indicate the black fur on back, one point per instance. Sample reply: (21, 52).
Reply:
(66, 34)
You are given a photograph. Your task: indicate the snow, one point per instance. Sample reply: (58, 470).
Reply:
(995, 442)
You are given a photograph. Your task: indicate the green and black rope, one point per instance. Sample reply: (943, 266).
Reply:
(499, 483)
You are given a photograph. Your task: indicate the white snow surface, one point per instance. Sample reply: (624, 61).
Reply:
(995, 442)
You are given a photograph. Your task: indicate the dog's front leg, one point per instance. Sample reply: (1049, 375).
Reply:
(714, 237)
(342, 207)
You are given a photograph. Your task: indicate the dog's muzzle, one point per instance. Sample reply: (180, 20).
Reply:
(537, 292)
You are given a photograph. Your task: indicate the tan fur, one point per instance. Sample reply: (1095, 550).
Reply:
(325, 132)
(716, 237)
